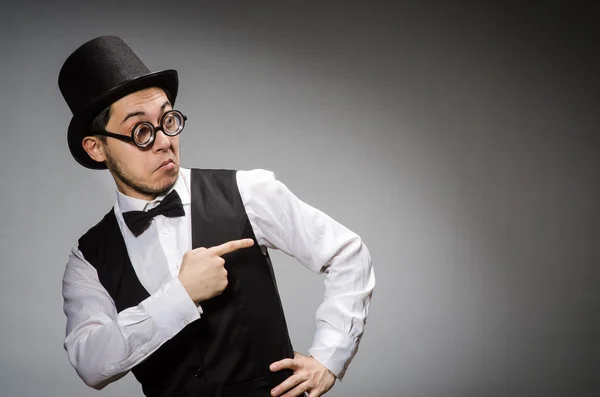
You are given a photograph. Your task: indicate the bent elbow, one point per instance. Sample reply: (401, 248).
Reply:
(89, 379)
(93, 383)
(90, 375)
(95, 379)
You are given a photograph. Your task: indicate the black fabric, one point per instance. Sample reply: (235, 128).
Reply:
(170, 206)
(95, 75)
(226, 352)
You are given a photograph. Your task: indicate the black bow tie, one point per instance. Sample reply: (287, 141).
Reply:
(138, 221)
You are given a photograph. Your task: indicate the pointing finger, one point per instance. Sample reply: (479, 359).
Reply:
(231, 246)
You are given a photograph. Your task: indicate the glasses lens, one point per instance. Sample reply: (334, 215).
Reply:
(173, 122)
(143, 134)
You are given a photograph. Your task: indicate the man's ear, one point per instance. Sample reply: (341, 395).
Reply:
(94, 148)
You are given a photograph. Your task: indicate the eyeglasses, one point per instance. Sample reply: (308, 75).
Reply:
(143, 134)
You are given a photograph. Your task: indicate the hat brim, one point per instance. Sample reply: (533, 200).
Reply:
(79, 127)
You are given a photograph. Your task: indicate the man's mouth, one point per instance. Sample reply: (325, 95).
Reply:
(167, 164)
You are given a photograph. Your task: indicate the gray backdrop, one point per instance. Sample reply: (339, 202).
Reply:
(460, 142)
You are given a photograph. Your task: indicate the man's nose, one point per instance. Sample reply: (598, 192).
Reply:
(161, 141)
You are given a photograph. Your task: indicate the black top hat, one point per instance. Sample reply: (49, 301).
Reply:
(97, 74)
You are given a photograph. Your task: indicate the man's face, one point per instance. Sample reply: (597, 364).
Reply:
(142, 173)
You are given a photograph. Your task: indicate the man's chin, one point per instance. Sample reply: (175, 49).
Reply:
(169, 177)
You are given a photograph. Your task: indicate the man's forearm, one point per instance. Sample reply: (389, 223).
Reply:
(342, 315)
(102, 344)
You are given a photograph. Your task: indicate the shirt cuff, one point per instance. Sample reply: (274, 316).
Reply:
(171, 309)
(333, 349)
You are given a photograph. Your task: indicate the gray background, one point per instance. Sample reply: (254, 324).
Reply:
(460, 141)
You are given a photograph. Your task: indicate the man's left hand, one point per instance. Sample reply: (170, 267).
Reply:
(309, 376)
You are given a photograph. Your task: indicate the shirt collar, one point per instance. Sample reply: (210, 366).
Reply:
(126, 203)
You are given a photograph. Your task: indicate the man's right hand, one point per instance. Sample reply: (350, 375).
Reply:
(203, 273)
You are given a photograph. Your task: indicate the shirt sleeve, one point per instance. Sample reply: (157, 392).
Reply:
(104, 345)
(282, 221)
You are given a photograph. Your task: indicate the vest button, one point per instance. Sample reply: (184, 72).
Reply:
(199, 372)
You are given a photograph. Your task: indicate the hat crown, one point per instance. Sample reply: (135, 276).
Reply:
(97, 67)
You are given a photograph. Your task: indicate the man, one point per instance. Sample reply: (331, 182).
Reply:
(175, 283)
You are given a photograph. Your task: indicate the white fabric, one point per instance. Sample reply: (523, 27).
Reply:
(104, 345)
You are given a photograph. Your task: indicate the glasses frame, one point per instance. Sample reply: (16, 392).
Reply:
(153, 129)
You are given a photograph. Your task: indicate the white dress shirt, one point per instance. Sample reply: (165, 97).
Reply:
(104, 345)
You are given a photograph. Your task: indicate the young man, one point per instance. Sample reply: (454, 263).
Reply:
(175, 283)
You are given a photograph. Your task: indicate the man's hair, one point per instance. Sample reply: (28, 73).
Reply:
(100, 122)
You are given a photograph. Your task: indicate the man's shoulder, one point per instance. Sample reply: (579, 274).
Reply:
(210, 171)
(210, 176)
(258, 173)
(240, 180)
(107, 222)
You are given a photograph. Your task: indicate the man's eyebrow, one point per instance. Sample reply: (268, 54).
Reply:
(140, 113)
(133, 114)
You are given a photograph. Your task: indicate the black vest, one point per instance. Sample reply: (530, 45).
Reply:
(227, 352)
